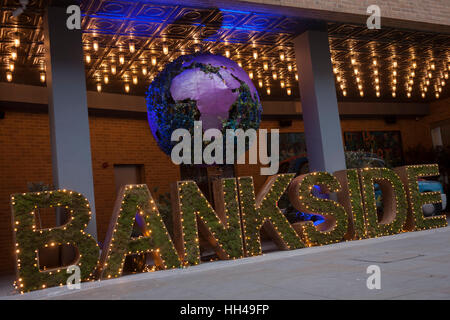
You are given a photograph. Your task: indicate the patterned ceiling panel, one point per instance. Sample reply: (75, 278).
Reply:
(131, 41)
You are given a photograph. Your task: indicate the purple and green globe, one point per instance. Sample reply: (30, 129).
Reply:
(201, 87)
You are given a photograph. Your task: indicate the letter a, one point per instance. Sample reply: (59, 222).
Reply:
(74, 20)
(119, 244)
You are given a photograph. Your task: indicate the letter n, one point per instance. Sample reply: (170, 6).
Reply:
(263, 211)
(28, 239)
(192, 212)
(136, 202)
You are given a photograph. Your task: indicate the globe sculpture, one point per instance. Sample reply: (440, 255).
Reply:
(201, 87)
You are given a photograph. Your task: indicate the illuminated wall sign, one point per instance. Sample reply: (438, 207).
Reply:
(233, 228)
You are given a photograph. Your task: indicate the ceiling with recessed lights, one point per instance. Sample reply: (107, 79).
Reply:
(126, 43)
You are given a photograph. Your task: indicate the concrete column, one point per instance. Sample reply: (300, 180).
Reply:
(68, 111)
(319, 103)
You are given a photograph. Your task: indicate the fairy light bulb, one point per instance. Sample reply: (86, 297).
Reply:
(99, 87)
(260, 83)
(121, 59)
(296, 76)
(165, 49)
(88, 58)
(282, 56)
(423, 94)
(353, 60)
(393, 94)
(132, 47)
(14, 54)
(144, 70)
(374, 62)
(9, 76)
(442, 83)
(239, 64)
(274, 75)
(395, 64)
(105, 79)
(282, 84)
(375, 72)
(227, 53)
(437, 95)
(95, 45)
(356, 71)
(408, 94)
(135, 79)
(250, 74)
(127, 87)
(289, 67)
(377, 80)
(394, 81)
(17, 42)
(11, 67)
(361, 93)
(344, 92)
(338, 78)
(394, 73)
(433, 66)
(289, 91)
(42, 77)
(113, 69)
(255, 54)
(414, 65)
(153, 61)
(335, 70)
(360, 86)
(268, 91)
(378, 94)
(265, 65)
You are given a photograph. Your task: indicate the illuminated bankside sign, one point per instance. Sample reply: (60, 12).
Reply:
(232, 227)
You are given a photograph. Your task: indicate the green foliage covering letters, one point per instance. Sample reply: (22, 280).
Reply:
(354, 194)
(394, 200)
(193, 207)
(330, 209)
(255, 214)
(155, 239)
(222, 228)
(29, 239)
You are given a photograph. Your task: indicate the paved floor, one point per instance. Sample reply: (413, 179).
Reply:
(414, 265)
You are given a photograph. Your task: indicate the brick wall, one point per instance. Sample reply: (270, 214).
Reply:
(423, 11)
(26, 156)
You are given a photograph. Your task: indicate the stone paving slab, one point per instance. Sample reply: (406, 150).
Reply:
(414, 265)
